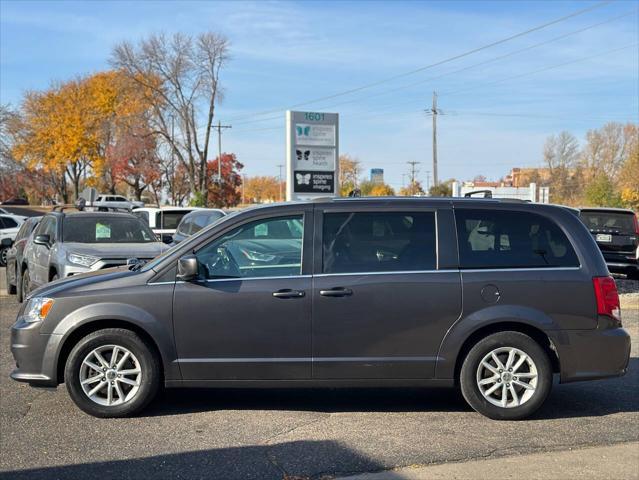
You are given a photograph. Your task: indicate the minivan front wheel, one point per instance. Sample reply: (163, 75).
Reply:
(506, 376)
(112, 373)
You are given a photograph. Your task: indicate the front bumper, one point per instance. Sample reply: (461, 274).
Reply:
(592, 354)
(35, 354)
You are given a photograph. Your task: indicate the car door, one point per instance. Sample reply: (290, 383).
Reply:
(385, 291)
(248, 314)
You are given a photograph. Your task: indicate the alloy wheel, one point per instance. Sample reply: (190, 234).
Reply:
(507, 377)
(110, 375)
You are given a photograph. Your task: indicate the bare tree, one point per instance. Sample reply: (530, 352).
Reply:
(608, 148)
(561, 155)
(181, 74)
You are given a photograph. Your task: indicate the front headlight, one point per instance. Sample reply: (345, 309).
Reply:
(84, 260)
(37, 309)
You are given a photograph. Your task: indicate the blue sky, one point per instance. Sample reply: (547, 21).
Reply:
(284, 53)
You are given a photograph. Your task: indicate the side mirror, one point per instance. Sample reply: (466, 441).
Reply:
(6, 243)
(42, 239)
(187, 268)
(167, 238)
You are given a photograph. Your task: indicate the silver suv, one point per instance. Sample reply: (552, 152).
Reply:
(66, 244)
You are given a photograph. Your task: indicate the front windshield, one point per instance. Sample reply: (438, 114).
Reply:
(105, 229)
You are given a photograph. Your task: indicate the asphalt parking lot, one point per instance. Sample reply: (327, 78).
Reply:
(287, 434)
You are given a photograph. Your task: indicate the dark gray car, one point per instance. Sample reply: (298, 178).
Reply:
(493, 296)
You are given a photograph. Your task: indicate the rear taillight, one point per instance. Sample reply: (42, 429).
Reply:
(607, 297)
(636, 224)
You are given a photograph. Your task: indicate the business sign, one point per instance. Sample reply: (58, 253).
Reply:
(322, 183)
(311, 155)
(311, 158)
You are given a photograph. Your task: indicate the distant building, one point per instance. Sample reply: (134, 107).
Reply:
(377, 176)
(521, 177)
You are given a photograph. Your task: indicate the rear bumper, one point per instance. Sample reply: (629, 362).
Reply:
(621, 261)
(592, 354)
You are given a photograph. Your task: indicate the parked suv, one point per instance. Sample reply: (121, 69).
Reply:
(16, 253)
(616, 231)
(195, 221)
(66, 244)
(494, 296)
(105, 202)
(9, 227)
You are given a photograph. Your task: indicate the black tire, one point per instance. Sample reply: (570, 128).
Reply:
(149, 364)
(3, 256)
(469, 371)
(54, 277)
(25, 286)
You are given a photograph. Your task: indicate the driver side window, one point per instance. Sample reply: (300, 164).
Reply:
(269, 247)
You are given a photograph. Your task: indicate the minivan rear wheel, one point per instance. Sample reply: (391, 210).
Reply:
(112, 373)
(506, 376)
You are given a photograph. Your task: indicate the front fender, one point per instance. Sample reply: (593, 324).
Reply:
(466, 326)
(112, 311)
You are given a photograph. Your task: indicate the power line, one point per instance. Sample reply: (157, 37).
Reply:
(460, 70)
(544, 69)
(432, 65)
(377, 109)
(482, 63)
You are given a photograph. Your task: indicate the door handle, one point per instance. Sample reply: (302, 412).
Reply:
(288, 293)
(336, 292)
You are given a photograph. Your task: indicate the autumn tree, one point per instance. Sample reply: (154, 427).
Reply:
(226, 193)
(414, 188)
(382, 190)
(65, 131)
(261, 189)
(608, 148)
(349, 171)
(181, 74)
(442, 189)
(628, 183)
(133, 159)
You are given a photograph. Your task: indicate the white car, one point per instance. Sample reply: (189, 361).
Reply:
(163, 220)
(115, 201)
(9, 226)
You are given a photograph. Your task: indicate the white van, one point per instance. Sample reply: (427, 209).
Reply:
(163, 220)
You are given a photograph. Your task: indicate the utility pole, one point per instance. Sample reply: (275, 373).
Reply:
(219, 128)
(427, 180)
(413, 173)
(279, 183)
(434, 111)
(173, 158)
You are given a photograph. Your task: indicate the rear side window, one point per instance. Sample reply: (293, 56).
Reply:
(360, 242)
(9, 222)
(184, 228)
(511, 239)
(170, 220)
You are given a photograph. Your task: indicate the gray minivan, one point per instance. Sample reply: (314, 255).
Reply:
(492, 296)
